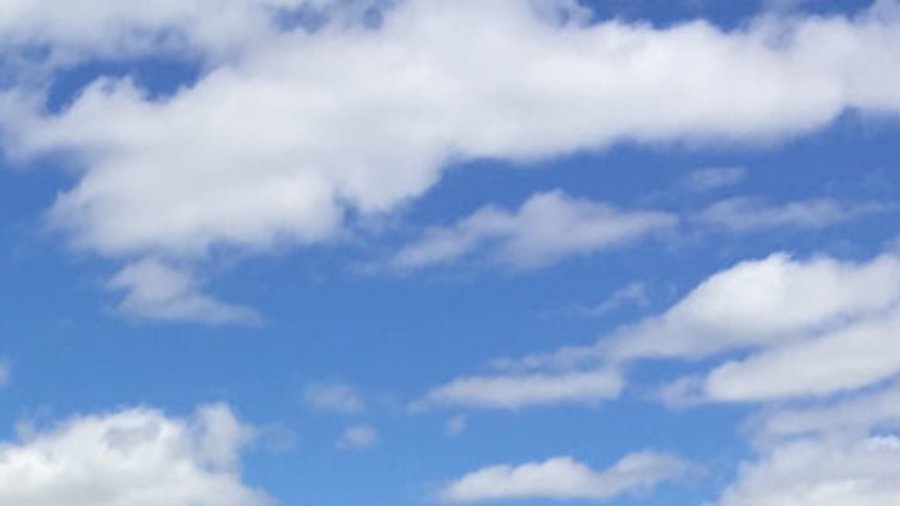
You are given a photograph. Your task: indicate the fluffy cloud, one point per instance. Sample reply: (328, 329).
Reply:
(358, 437)
(547, 227)
(822, 472)
(278, 144)
(525, 390)
(564, 478)
(334, 397)
(137, 457)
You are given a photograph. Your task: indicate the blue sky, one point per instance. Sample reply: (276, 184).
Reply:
(334, 252)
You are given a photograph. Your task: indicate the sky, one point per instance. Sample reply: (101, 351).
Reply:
(422, 252)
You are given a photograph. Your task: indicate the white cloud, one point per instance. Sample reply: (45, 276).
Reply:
(821, 472)
(760, 303)
(813, 328)
(334, 397)
(850, 358)
(803, 328)
(704, 180)
(358, 437)
(137, 457)
(214, 29)
(742, 214)
(857, 414)
(563, 478)
(525, 390)
(154, 290)
(287, 131)
(546, 228)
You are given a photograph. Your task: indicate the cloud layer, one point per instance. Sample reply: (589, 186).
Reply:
(288, 131)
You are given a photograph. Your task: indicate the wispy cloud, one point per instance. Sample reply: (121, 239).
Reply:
(633, 294)
(872, 410)
(358, 437)
(563, 478)
(456, 425)
(705, 180)
(515, 391)
(744, 214)
(334, 398)
(545, 229)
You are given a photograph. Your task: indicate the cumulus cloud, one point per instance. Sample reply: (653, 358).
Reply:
(824, 472)
(334, 398)
(137, 457)
(743, 214)
(287, 132)
(525, 390)
(563, 478)
(358, 437)
(546, 228)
